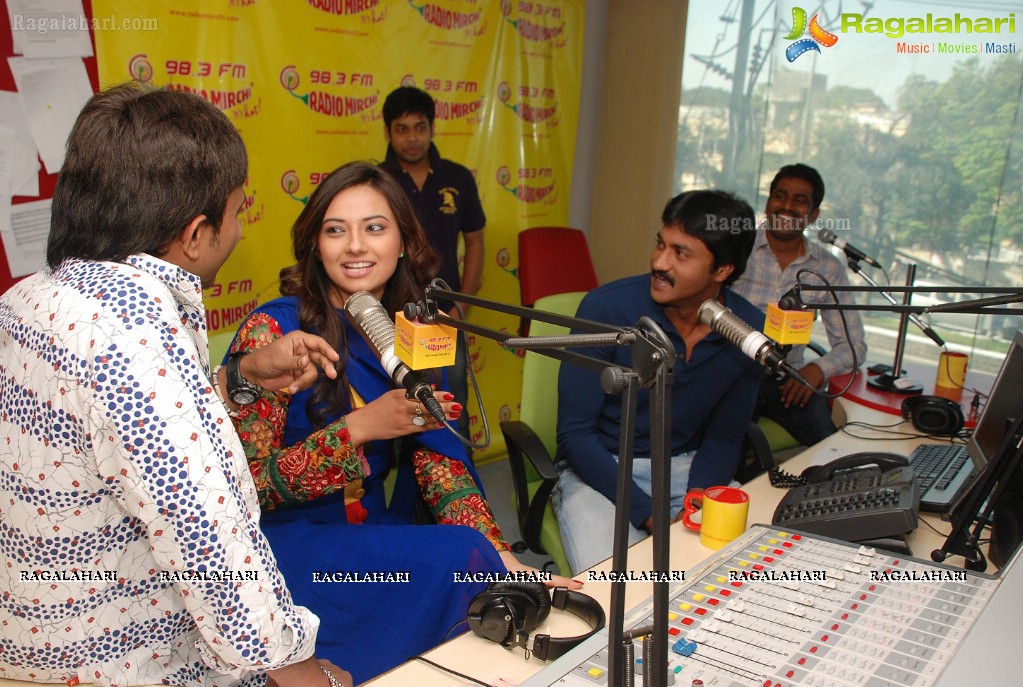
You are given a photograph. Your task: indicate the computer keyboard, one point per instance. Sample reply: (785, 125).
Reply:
(944, 471)
(929, 462)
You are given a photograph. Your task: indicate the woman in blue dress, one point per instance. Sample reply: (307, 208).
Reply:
(320, 457)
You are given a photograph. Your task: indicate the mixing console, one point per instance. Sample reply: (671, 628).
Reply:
(778, 608)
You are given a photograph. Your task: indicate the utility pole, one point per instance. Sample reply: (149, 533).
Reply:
(738, 109)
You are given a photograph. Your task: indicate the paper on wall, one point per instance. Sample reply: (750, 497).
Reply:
(16, 139)
(53, 92)
(24, 229)
(49, 28)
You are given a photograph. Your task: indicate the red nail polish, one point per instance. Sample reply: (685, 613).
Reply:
(449, 397)
(456, 407)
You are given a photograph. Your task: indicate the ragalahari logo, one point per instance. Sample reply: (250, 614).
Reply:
(818, 36)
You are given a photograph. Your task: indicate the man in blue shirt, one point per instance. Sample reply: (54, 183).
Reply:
(702, 248)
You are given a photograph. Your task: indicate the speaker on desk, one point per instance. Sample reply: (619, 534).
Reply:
(934, 415)
(507, 612)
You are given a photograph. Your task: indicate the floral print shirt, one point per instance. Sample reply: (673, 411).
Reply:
(327, 462)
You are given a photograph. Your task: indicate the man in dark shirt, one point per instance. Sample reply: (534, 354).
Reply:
(446, 201)
(701, 249)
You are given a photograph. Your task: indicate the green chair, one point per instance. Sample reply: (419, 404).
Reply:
(764, 438)
(532, 440)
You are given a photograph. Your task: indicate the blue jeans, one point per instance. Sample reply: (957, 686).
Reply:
(586, 517)
(809, 424)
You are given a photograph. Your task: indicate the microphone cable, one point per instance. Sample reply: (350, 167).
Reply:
(469, 374)
(449, 670)
(845, 329)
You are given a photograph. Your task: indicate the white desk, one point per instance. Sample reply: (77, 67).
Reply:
(488, 661)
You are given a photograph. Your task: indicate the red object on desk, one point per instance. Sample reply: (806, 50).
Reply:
(862, 393)
(866, 395)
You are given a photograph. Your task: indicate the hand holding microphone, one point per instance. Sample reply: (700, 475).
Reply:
(373, 322)
(393, 414)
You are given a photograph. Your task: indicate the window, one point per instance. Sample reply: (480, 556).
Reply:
(911, 111)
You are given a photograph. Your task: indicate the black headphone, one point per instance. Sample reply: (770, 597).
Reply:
(934, 415)
(506, 612)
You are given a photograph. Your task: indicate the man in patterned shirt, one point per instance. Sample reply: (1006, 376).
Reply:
(780, 252)
(129, 521)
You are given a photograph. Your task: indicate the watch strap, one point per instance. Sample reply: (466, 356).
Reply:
(239, 389)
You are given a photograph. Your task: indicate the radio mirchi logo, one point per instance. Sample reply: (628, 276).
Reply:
(192, 76)
(290, 184)
(328, 103)
(818, 36)
(534, 19)
(445, 17)
(523, 110)
(529, 193)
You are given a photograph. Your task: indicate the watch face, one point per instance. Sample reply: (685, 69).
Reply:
(244, 396)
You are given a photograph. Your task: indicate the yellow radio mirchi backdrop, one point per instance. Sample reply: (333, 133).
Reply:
(305, 80)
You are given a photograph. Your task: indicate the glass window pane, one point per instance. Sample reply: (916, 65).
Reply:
(910, 110)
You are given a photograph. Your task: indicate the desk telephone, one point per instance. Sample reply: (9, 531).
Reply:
(846, 500)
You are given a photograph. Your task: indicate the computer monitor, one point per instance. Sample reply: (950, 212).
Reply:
(1003, 408)
(1004, 404)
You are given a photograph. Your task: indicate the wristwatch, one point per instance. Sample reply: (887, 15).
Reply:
(240, 390)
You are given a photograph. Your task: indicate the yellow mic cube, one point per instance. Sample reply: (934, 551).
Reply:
(788, 326)
(423, 346)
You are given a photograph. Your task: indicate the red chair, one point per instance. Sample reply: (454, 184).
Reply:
(553, 260)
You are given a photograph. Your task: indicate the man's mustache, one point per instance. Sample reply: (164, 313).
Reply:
(657, 274)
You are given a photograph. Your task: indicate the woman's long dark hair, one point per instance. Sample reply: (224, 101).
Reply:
(308, 281)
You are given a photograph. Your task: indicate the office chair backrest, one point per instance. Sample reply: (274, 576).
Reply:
(553, 260)
(540, 373)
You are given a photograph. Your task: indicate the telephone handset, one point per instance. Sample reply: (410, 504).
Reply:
(873, 502)
(884, 461)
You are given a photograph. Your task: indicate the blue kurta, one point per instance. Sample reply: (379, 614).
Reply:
(368, 628)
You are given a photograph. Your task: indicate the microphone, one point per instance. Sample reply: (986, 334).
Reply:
(791, 297)
(372, 321)
(754, 344)
(851, 251)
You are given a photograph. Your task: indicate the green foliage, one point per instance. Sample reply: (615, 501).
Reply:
(941, 172)
(706, 96)
(958, 166)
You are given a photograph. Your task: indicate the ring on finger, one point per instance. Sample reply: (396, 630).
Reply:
(418, 420)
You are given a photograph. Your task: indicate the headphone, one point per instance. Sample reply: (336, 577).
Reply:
(507, 612)
(934, 415)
